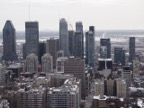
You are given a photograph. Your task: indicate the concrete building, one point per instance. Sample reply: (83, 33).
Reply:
(71, 42)
(60, 53)
(47, 63)
(99, 87)
(127, 75)
(2, 75)
(121, 88)
(60, 63)
(90, 48)
(107, 43)
(31, 63)
(63, 33)
(76, 66)
(9, 42)
(52, 47)
(33, 98)
(119, 56)
(63, 97)
(110, 87)
(32, 37)
(131, 49)
(57, 79)
(78, 51)
(136, 68)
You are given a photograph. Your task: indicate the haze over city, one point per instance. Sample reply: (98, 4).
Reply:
(103, 14)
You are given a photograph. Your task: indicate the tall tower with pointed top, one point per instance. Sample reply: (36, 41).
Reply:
(9, 42)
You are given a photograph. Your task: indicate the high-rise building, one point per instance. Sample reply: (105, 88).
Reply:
(79, 28)
(90, 48)
(63, 33)
(78, 52)
(42, 50)
(52, 47)
(107, 43)
(121, 88)
(31, 63)
(119, 55)
(103, 52)
(71, 42)
(63, 97)
(32, 37)
(99, 87)
(33, 98)
(131, 49)
(76, 66)
(2, 75)
(47, 63)
(9, 42)
(127, 75)
(136, 68)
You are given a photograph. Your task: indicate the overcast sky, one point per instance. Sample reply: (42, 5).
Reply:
(103, 14)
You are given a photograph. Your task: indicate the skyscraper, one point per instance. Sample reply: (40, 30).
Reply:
(119, 55)
(42, 50)
(9, 42)
(71, 41)
(79, 28)
(78, 52)
(76, 66)
(63, 33)
(131, 49)
(90, 48)
(32, 37)
(47, 63)
(107, 43)
(52, 47)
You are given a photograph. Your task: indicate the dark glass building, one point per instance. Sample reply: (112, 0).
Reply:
(9, 42)
(107, 43)
(78, 52)
(71, 42)
(32, 37)
(119, 55)
(131, 49)
(42, 50)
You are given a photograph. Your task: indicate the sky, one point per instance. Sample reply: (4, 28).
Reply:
(103, 14)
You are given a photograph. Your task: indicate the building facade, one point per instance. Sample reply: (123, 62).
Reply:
(9, 42)
(107, 43)
(32, 38)
(119, 55)
(131, 49)
(63, 34)
(52, 47)
(31, 63)
(90, 48)
(47, 63)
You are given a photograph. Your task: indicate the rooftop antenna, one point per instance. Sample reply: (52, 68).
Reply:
(29, 9)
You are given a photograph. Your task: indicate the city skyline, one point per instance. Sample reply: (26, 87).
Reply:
(103, 14)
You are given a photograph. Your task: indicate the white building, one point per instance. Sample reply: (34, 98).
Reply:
(63, 33)
(31, 63)
(47, 63)
(63, 97)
